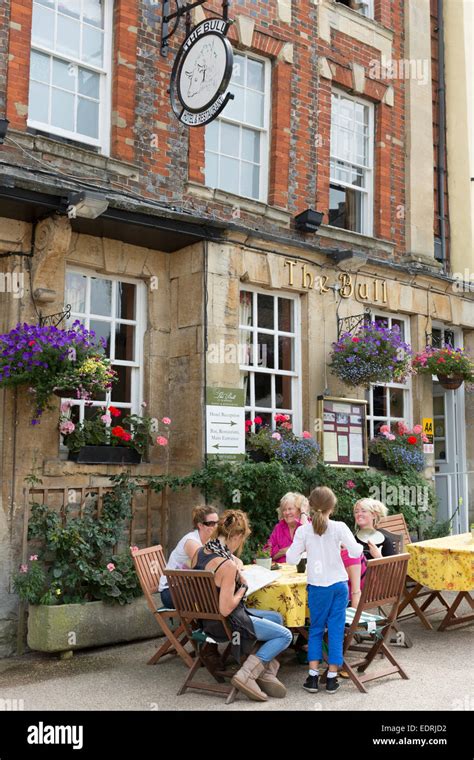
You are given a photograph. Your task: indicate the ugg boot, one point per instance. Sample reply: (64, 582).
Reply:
(245, 678)
(268, 681)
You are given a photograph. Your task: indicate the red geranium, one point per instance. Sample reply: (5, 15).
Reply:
(258, 420)
(119, 432)
(114, 411)
(412, 439)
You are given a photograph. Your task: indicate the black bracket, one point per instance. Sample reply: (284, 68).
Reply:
(183, 8)
(350, 324)
(53, 320)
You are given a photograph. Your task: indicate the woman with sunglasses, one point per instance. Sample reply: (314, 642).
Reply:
(205, 520)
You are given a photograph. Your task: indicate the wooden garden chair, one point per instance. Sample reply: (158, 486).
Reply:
(383, 587)
(413, 590)
(150, 565)
(196, 598)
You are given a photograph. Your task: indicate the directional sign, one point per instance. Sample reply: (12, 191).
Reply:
(225, 423)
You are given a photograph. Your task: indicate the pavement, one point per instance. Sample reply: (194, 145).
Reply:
(439, 665)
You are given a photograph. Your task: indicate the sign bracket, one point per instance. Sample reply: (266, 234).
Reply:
(350, 324)
(183, 8)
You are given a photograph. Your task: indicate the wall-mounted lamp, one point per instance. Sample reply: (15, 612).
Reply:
(86, 204)
(309, 220)
(3, 129)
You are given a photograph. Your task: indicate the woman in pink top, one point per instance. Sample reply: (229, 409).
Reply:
(293, 512)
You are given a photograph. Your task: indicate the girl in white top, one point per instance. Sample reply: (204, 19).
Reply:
(327, 582)
(205, 520)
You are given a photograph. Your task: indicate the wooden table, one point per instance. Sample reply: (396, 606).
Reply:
(446, 564)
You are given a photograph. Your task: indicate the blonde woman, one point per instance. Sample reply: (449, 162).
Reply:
(257, 676)
(367, 515)
(327, 583)
(293, 511)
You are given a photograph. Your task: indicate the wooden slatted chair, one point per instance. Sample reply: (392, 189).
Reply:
(413, 590)
(383, 587)
(196, 598)
(150, 565)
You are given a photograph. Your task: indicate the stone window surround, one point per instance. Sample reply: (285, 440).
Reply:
(354, 24)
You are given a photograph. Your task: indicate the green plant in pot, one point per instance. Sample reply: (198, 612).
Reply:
(263, 557)
(452, 365)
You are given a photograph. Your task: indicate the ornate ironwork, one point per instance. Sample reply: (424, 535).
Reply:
(183, 8)
(350, 324)
(54, 320)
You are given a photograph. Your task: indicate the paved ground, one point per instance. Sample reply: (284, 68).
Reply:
(440, 667)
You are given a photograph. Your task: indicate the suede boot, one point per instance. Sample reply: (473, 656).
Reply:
(269, 682)
(245, 680)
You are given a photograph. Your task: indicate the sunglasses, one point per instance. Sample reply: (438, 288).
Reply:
(211, 523)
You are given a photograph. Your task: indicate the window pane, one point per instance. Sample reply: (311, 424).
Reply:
(285, 353)
(39, 67)
(263, 396)
(62, 76)
(212, 169)
(47, 3)
(235, 108)
(245, 355)
(125, 342)
(88, 117)
(101, 296)
(282, 392)
(43, 26)
(401, 326)
(337, 207)
(249, 180)
(230, 138)
(122, 388)
(285, 315)
(229, 176)
(62, 110)
(254, 108)
(70, 8)
(449, 338)
(238, 72)
(436, 339)
(102, 330)
(255, 78)
(92, 45)
(396, 402)
(245, 308)
(440, 450)
(246, 380)
(438, 405)
(126, 300)
(266, 350)
(380, 401)
(76, 291)
(38, 102)
(89, 83)
(67, 40)
(265, 311)
(250, 145)
(93, 12)
(212, 136)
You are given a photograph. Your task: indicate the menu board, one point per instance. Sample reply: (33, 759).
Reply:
(343, 431)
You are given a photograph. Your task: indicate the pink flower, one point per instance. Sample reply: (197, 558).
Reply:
(350, 484)
(425, 438)
(67, 427)
(23, 568)
(306, 434)
(65, 407)
(276, 436)
(33, 558)
(111, 566)
(166, 421)
(106, 419)
(134, 549)
(385, 429)
(162, 441)
(390, 437)
(417, 429)
(402, 428)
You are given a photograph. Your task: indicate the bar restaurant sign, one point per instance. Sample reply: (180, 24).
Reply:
(201, 74)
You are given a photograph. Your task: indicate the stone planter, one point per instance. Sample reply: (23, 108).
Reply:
(66, 627)
(105, 455)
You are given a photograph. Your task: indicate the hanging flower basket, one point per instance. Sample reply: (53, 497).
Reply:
(374, 354)
(451, 382)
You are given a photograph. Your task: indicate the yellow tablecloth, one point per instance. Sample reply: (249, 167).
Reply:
(287, 596)
(443, 563)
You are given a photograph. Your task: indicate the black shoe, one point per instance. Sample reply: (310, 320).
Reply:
(311, 684)
(332, 685)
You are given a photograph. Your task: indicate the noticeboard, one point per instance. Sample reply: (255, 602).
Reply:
(343, 431)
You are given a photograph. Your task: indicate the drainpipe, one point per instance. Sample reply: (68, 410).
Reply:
(442, 132)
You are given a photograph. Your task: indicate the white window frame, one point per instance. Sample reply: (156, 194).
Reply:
(140, 329)
(367, 193)
(405, 387)
(105, 93)
(296, 390)
(264, 131)
(367, 4)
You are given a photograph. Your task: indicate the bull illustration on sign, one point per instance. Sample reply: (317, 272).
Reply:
(205, 74)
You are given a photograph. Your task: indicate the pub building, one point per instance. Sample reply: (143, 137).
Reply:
(225, 256)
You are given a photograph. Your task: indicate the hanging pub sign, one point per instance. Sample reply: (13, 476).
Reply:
(343, 431)
(201, 73)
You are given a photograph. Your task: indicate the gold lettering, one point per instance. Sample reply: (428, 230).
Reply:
(291, 264)
(324, 279)
(304, 278)
(376, 290)
(347, 287)
(363, 291)
(384, 291)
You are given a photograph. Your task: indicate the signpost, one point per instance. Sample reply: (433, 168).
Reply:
(225, 423)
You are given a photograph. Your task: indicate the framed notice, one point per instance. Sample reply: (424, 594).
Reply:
(343, 431)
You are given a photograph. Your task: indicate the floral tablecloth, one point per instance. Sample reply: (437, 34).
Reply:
(443, 564)
(287, 596)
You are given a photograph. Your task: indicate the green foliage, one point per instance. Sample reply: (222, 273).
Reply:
(75, 553)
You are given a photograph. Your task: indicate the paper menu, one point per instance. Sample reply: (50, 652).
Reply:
(257, 577)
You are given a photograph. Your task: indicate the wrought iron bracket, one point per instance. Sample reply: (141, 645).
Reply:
(350, 324)
(53, 320)
(183, 8)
